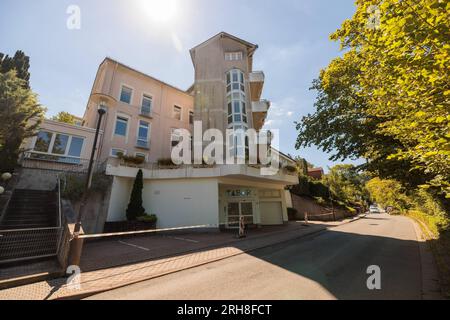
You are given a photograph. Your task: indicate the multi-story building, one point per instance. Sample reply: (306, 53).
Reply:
(142, 114)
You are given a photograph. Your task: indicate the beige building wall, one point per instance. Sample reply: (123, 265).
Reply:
(211, 69)
(110, 78)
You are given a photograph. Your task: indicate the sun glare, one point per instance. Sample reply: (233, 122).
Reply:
(160, 11)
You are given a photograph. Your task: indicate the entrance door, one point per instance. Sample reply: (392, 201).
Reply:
(236, 210)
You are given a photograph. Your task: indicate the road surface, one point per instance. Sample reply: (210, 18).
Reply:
(328, 265)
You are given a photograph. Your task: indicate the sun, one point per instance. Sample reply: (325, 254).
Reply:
(160, 11)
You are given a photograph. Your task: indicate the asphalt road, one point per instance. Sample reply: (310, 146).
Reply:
(329, 265)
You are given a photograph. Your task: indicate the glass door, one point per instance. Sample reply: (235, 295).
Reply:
(236, 210)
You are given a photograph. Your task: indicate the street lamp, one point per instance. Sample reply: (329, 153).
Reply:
(77, 243)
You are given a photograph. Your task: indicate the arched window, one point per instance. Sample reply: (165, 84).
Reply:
(237, 109)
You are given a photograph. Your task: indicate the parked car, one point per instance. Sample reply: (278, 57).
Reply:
(374, 209)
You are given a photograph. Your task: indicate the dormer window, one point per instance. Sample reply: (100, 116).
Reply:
(233, 56)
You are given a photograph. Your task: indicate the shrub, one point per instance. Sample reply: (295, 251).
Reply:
(292, 213)
(290, 169)
(135, 208)
(131, 159)
(151, 218)
(166, 162)
(318, 189)
(75, 184)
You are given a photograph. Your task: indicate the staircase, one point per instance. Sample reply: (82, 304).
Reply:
(30, 227)
(29, 209)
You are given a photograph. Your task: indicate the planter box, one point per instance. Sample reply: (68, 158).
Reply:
(127, 226)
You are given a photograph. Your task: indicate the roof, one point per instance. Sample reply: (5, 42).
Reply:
(144, 74)
(315, 169)
(223, 34)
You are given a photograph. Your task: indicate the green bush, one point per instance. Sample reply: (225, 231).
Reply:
(165, 162)
(135, 208)
(75, 184)
(151, 218)
(318, 189)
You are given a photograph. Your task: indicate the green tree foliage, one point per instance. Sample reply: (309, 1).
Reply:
(135, 208)
(347, 184)
(387, 193)
(20, 62)
(65, 117)
(18, 105)
(387, 98)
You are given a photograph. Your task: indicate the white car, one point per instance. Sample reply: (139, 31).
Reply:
(374, 209)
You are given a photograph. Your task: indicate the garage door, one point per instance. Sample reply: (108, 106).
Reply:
(271, 213)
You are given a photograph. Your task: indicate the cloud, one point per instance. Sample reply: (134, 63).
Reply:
(279, 111)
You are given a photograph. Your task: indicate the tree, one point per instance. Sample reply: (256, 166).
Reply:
(18, 105)
(65, 117)
(135, 208)
(387, 193)
(346, 183)
(20, 62)
(387, 98)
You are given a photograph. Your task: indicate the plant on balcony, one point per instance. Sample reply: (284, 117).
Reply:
(130, 159)
(290, 169)
(167, 163)
(135, 208)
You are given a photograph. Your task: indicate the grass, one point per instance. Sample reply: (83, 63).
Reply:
(439, 241)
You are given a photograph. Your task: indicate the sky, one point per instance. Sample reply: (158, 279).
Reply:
(154, 36)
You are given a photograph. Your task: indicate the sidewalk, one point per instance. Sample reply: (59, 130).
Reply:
(110, 278)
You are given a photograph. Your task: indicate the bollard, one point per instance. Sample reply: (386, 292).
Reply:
(306, 218)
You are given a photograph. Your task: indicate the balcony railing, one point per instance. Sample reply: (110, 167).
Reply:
(31, 160)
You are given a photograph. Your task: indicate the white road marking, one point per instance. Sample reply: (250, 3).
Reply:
(134, 246)
(184, 239)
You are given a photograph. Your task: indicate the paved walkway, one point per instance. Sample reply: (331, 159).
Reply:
(106, 279)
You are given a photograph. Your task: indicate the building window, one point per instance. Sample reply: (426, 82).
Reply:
(57, 147)
(236, 99)
(143, 133)
(177, 112)
(146, 108)
(191, 117)
(125, 94)
(233, 56)
(116, 152)
(75, 147)
(60, 144)
(121, 126)
(43, 141)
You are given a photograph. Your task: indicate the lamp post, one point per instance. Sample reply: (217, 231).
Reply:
(77, 243)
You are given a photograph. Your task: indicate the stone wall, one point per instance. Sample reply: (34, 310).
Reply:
(316, 212)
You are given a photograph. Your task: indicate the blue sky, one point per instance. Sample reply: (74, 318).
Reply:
(293, 39)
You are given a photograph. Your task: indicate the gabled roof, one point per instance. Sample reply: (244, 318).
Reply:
(222, 34)
(143, 74)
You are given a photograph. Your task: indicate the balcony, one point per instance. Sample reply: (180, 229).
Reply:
(237, 171)
(256, 80)
(259, 112)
